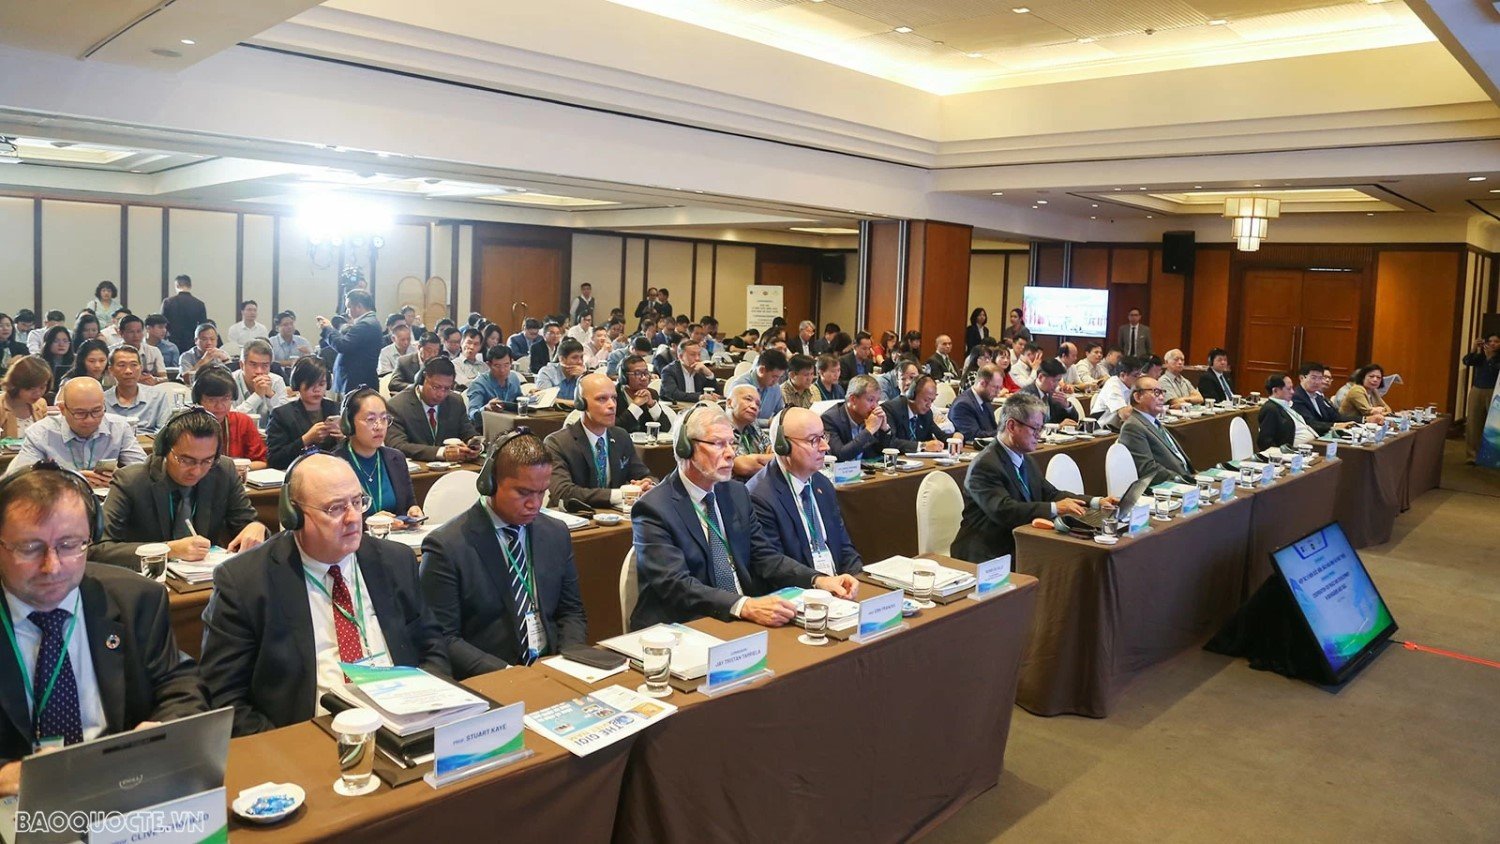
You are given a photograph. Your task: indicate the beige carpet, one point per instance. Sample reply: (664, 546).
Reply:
(1204, 749)
(1459, 476)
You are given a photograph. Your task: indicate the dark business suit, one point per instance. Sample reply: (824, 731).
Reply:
(675, 565)
(1058, 412)
(972, 416)
(1276, 427)
(258, 645)
(812, 348)
(847, 441)
(284, 432)
(405, 373)
(849, 366)
(573, 465)
(908, 436)
(996, 503)
(1212, 390)
(941, 367)
(973, 336)
(142, 678)
(184, 313)
(542, 354)
(782, 523)
(358, 345)
(140, 509)
(1142, 346)
(467, 585)
(674, 383)
(394, 464)
(411, 435)
(1147, 443)
(630, 422)
(1318, 411)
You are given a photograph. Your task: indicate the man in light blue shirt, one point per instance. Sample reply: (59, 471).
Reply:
(258, 389)
(895, 382)
(131, 399)
(80, 436)
(286, 344)
(765, 377)
(564, 372)
(496, 390)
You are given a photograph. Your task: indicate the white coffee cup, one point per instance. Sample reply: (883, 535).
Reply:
(629, 494)
(241, 467)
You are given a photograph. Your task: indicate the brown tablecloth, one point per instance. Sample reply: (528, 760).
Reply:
(542, 422)
(877, 742)
(552, 796)
(1426, 470)
(1206, 440)
(881, 511)
(1107, 613)
(1291, 507)
(1372, 488)
(598, 554)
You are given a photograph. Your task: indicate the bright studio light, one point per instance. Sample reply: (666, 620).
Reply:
(330, 218)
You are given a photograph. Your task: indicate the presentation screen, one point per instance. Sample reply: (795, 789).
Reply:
(1338, 601)
(1074, 311)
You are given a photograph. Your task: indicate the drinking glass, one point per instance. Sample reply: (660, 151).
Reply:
(653, 432)
(1247, 476)
(355, 730)
(815, 617)
(891, 455)
(922, 581)
(1161, 505)
(151, 559)
(1206, 491)
(656, 662)
(379, 526)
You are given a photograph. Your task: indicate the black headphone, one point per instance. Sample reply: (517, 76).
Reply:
(350, 406)
(681, 445)
(289, 512)
(779, 443)
(171, 432)
(91, 506)
(911, 389)
(485, 484)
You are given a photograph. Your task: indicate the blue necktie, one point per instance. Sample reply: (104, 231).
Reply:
(601, 463)
(723, 568)
(911, 423)
(814, 523)
(1021, 476)
(518, 589)
(61, 717)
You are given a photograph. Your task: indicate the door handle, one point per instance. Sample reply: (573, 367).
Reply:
(1292, 354)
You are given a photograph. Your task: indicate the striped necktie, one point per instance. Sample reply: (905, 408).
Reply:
(518, 588)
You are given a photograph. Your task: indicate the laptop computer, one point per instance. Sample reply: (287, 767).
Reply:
(119, 773)
(1095, 518)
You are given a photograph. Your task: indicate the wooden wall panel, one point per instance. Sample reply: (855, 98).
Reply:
(945, 282)
(1166, 307)
(1049, 267)
(1090, 267)
(1414, 325)
(1130, 266)
(916, 257)
(880, 299)
(1210, 310)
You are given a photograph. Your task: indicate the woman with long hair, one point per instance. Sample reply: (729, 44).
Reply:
(10, 347)
(978, 329)
(57, 351)
(87, 328)
(91, 360)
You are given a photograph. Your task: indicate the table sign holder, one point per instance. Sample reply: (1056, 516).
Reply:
(879, 616)
(1331, 450)
(201, 818)
(1140, 518)
(738, 662)
(1226, 489)
(478, 744)
(991, 578)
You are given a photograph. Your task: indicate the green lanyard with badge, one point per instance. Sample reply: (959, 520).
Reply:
(822, 556)
(525, 571)
(358, 616)
(40, 705)
(92, 443)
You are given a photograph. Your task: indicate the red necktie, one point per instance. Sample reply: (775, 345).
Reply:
(344, 629)
(432, 420)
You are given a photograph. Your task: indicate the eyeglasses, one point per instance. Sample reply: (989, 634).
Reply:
(720, 445)
(192, 462)
(84, 415)
(1035, 429)
(813, 441)
(340, 509)
(636, 373)
(31, 553)
(1155, 391)
(380, 420)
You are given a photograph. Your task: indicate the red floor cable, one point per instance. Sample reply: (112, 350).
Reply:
(1413, 646)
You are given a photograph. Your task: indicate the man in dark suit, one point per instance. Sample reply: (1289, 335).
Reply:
(281, 617)
(700, 551)
(184, 313)
(796, 505)
(592, 458)
(1135, 336)
(1309, 402)
(408, 365)
(1215, 384)
(687, 378)
(488, 597)
(941, 365)
(972, 412)
(358, 343)
(1004, 488)
(641, 404)
(427, 414)
(1279, 423)
(185, 482)
(1155, 451)
(1049, 373)
(858, 428)
(860, 360)
(807, 342)
(910, 417)
(544, 350)
(110, 630)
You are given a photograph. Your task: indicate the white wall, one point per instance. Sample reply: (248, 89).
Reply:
(16, 243)
(736, 272)
(144, 263)
(596, 260)
(258, 268)
(80, 248)
(672, 267)
(840, 302)
(202, 245)
(405, 254)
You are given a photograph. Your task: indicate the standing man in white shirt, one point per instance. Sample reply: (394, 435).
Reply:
(246, 329)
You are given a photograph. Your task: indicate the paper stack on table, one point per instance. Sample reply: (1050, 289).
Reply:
(573, 522)
(895, 573)
(689, 655)
(842, 614)
(586, 724)
(201, 571)
(408, 700)
(265, 479)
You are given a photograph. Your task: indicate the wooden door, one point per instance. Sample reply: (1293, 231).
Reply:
(796, 283)
(1269, 325)
(1330, 321)
(516, 282)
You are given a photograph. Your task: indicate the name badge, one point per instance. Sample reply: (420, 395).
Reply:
(1226, 489)
(1331, 450)
(823, 561)
(536, 635)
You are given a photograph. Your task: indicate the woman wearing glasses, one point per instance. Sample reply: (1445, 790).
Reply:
(214, 391)
(381, 469)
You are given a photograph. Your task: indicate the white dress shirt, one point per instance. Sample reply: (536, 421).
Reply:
(467, 370)
(52, 439)
(616, 496)
(239, 334)
(697, 494)
(1016, 459)
(1112, 396)
(325, 641)
(797, 484)
(151, 406)
(253, 402)
(1305, 434)
(1022, 373)
(389, 355)
(1082, 372)
(29, 640)
(1176, 386)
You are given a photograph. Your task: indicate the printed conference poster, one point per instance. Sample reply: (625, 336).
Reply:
(586, 724)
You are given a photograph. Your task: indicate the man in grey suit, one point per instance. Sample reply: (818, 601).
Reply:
(187, 495)
(1156, 452)
(427, 414)
(500, 581)
(592, 458)
(407, 366)
(688, 377)
(1135, 336)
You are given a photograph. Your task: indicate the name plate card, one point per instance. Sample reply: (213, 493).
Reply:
(1380, 434)
(1405, 423)
(1296, 464)
(1267, 474)
(991, 577)
(1190, 501)
(1331, 450)
(1226, 489)
(201, 818)
(879, 616)
(737, 662)
(846, 472)
(474, 745)
(1140, 518)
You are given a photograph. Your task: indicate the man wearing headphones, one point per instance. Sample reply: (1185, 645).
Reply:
(92, 644)
(286, 613)
(699, 549)
(911, 418)
(500, 581)
(428, 414)
(187, 495)
(592, 458)
(796, 504)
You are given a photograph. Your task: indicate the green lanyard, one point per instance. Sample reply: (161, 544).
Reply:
(378, 493)
(92, 443)
(359, 605)
(39, 706)
(525, 571)
(806, 517)
(713, 526)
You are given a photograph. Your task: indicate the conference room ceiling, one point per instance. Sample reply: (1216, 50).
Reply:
(953, 46)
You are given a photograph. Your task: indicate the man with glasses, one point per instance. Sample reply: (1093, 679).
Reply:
(796, 504)
(285, 614)
(699, 549)
(640, 403)
(81, 437)
(858, 428)
(1156, 452)
(1005, 489)
(187, 495)
(1310, 403)
(428, 414)
(60, 609)
(130, 398)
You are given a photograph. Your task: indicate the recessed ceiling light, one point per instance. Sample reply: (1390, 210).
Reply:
(1034, 207)
(166, 54)
(137, 171)
(188, 41)
(1476, 178)
(998, 193)
(1041, 202)
(1369, 213)
(1494, 190)
(1116, 188)
(1197, 187)
(975, 55)
(1217, 22)
(1021, 10)
(1095, 205)
(1256, 185)
(1085, 41)
(1093, 218)
(903, 29)
(1149, 217)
